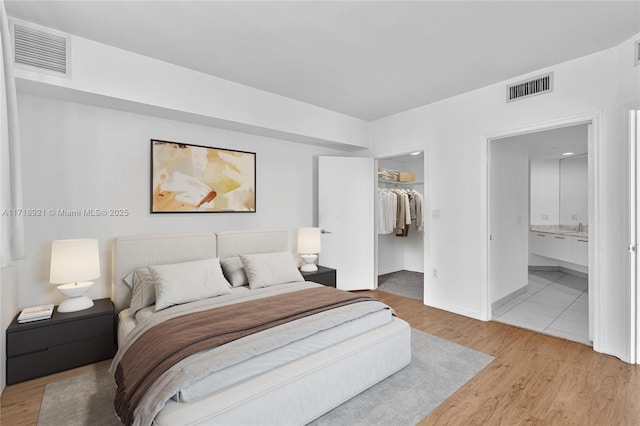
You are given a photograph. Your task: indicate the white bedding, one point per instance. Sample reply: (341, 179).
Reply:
(270, 360)
(205, 373)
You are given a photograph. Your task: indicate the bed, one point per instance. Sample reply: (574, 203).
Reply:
(288, 374)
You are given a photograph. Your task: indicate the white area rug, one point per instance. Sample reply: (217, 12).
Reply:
(438, 368)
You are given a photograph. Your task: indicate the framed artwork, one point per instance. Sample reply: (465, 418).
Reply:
(200, 179)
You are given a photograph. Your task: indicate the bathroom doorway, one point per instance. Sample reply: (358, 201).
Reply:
(539, 184)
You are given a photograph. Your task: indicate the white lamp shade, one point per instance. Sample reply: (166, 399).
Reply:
(309, 240)
(73, 261)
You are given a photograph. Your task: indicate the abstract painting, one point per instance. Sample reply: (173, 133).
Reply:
(200, 179)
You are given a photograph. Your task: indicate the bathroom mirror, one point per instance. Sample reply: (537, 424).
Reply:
(558, 191)
(574, 185)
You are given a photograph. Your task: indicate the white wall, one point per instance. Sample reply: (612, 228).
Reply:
(455, 132)
(545, 192)
(77, 156)
(509, 208)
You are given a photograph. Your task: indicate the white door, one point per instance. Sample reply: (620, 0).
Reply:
(346, 200)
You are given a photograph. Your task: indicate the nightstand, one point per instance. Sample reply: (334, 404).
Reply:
(325, 276)
(64, 341)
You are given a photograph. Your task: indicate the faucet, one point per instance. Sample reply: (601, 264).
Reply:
(580, 227)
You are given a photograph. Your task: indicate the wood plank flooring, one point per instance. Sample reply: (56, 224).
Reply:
(534, 380)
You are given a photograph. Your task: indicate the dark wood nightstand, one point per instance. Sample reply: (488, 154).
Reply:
(325, 276)
(64, 341)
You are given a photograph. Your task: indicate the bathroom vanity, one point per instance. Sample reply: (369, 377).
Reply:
(561, 244)
(559, 214)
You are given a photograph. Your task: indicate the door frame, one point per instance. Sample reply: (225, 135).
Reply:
(425, 209)
(595, 212)
(634, 222)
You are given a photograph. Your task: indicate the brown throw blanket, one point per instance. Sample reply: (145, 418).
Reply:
(173, 340)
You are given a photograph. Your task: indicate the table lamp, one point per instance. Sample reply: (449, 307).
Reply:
(309, 247)
(73, 262)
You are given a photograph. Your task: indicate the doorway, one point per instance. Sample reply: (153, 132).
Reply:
(400, 253)
(540, 183)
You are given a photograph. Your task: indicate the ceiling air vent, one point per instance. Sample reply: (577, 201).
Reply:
(40, 49)
(532, 87)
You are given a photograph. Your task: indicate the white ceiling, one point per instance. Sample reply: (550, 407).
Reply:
(367, 59)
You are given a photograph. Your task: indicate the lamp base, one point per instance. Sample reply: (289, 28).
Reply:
(309, 265)
(74, 304)
(76, 300)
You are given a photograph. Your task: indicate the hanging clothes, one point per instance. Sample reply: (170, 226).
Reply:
(419, 218)
(398, 209)
(403, 219)
(387, 206)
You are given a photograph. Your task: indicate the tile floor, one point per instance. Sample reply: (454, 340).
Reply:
(554, 303)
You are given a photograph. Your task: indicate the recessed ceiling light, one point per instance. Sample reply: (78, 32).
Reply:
(416, 153)
(567, 153)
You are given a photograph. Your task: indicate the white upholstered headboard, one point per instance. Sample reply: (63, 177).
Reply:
(132, 252)
(234, 243)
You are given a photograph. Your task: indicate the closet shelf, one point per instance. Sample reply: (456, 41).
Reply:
(392, 182)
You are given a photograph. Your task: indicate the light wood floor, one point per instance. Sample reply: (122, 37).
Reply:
(534, 380)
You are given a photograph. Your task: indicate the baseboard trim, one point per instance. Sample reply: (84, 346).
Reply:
(389, 271)
(453, 308)
(508, 298)
(533, 268)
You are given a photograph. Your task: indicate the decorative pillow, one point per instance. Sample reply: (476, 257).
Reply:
(234, 271)
(143, 291)
(267, 269)
(187, 282)
(128, 280)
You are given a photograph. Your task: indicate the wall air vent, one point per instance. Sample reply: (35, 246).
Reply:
(40, 49)
(532, 87)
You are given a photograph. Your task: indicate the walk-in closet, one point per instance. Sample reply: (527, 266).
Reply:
(401, 203)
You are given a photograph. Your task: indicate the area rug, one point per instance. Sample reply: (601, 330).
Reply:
(438, 368)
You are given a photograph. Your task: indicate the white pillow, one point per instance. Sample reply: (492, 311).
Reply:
(267, 269)
(188, 281)
(234, 271)
(128, 280)
(143, 291)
